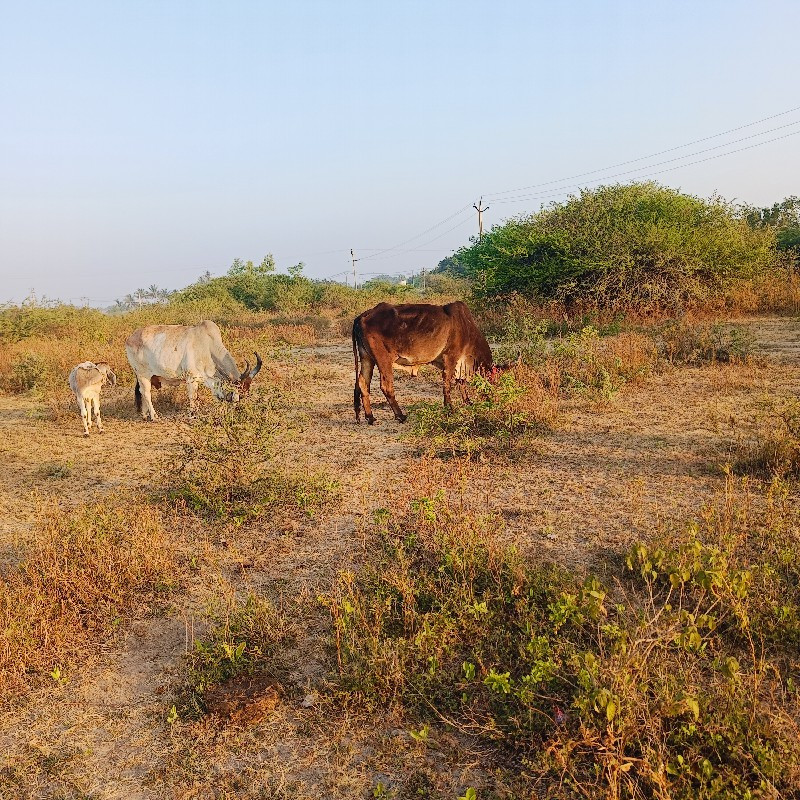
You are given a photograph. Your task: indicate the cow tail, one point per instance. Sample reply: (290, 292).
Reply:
(357, 388)
(137, 394)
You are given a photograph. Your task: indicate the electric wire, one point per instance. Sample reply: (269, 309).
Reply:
(652, 155)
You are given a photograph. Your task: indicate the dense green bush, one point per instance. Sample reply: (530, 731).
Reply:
(630, 246)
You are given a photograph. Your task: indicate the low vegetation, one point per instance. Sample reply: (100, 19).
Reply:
(247, 637)
(677, 679)
(494, 420)
(770, 446)
(85, 572)
(226, 467)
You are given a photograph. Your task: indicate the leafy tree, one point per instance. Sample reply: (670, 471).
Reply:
(784, 219)
(297, 270)
(452, 266)
(239, 267)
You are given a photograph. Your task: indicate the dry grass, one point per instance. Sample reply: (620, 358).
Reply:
(769, 446)
(85, 573)
(613, 468)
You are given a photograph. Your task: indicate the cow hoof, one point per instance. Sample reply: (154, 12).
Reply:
(371, 420)
(402, 418)
(86, 434)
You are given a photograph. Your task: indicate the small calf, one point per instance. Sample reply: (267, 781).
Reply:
(86, 380)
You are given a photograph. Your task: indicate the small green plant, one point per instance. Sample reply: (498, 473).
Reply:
(57, 469)
(57, 676)
(421, 736)
(382, 792)
(245, 636)
(493, 422)
(660, 692)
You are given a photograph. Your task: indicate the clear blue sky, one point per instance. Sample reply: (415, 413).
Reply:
(146, 142)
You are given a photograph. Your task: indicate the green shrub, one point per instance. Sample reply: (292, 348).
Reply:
(638, 246)
(226, 466)
(678, 681)
(28, 372)
(493, 421)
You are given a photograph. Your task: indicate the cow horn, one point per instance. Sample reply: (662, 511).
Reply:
(256, 368)
(246, 371)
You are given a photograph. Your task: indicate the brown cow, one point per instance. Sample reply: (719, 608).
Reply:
(411, 334)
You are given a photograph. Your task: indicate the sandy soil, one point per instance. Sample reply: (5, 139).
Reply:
(608, 475)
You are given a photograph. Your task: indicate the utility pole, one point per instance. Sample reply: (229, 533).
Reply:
(354, 259)
(480, 209)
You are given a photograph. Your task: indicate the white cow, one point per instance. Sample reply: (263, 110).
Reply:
(185, 353)
(86, 380)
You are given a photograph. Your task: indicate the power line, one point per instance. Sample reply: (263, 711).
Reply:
(396, 251)
(419, 235)
(655, 172)
(439, 236)
(659, 153)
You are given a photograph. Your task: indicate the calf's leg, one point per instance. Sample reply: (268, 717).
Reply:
(84, 415)
(96, 407)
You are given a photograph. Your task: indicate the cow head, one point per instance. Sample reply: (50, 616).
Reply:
(108, 376)
(246, 378)
(232, 390)
(496, 370)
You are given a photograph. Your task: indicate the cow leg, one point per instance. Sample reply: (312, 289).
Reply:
(448, 372)
(84, 415)
(361, 392)
(191, 393)
(147, 400)
(96, 407)
(462, 386)
(387, 387)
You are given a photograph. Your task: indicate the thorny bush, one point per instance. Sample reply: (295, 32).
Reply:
(493, 421)
(226, 466)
